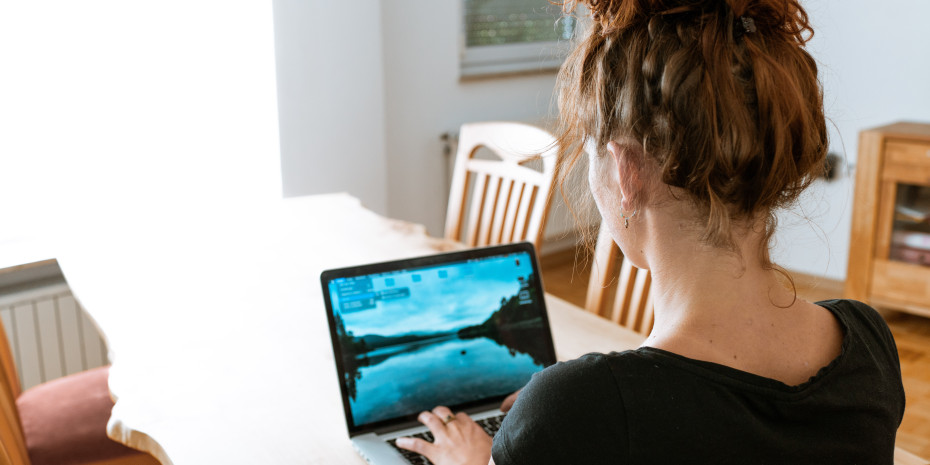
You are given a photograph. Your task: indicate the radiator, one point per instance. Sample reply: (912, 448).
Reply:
(49, 334)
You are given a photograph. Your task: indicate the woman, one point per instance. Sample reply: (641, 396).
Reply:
(700, 118)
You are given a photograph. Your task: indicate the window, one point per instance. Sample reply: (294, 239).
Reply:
(506, 36)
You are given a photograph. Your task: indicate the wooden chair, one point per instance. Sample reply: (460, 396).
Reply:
(505, 200)
(62, 421)
(631, 303)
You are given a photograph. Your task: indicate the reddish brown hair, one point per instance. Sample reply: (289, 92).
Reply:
(730, 111)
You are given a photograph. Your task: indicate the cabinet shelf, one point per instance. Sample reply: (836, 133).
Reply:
(911, 215)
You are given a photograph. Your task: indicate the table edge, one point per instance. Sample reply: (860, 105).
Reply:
(135, 439)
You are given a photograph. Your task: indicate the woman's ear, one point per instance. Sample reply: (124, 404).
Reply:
(629, 166)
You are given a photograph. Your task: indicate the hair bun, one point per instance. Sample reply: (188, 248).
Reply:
(786, 16)
(614, 14)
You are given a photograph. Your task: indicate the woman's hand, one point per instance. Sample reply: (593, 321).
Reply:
(458, 440)
(507, 404)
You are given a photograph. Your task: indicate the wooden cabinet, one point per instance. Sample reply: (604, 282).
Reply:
(889, 249)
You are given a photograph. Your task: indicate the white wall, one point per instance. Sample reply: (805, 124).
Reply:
(875, 67)
(331, 99)
(424, 98)
(114, 109)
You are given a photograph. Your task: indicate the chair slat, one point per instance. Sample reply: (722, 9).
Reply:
(479, 195)
(534, 224)
(526, 205)
(500, 211)
(638, 298)
(624, 294)
(487, 213)
(603, 267)
(456, 209)
(510, 221)
(11, 432)
(649, 314)
(633, 304)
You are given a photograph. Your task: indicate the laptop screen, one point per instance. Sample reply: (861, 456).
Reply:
(457, 329)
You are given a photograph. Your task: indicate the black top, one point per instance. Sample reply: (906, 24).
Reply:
(652, 406)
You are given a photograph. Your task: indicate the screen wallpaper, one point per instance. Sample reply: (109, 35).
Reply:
(448, 334)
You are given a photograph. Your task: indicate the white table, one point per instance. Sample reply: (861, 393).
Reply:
(217, 334)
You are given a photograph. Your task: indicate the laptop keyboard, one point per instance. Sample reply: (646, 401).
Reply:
(489, 424)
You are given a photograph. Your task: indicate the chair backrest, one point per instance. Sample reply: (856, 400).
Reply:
(625, 299)
(12, 442)
(7, 365)
(506, 201)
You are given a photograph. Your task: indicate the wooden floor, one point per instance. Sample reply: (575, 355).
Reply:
(567, 277)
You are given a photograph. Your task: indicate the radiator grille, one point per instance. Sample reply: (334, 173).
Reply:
(50, 335)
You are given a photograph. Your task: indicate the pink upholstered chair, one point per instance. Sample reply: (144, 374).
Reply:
(59, 422)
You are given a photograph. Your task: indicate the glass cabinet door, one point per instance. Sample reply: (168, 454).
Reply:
(910, 236)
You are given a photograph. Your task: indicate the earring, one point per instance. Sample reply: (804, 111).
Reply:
(626, 219)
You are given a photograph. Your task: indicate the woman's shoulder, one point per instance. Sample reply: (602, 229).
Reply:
(569, 404)
(567, 384)
(590, 388)
(852, 308)
(592, 365)
(590, 373)
(868, 338)
(860, 320)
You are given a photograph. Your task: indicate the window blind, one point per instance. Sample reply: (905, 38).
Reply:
(498, 22)
(508, 36)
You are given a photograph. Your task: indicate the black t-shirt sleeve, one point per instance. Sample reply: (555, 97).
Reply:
(570, 412)
(874, 338)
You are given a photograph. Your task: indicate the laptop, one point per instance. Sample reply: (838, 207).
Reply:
(462, 329)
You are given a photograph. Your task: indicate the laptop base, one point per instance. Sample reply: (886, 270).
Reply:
(376, 450)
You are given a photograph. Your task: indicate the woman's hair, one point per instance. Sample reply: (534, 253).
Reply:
(721, 95)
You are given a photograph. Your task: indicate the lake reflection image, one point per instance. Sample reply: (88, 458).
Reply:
(414, 341)
(450, 370)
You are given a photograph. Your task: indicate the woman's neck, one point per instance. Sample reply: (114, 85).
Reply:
(689, 274)
(722, 307)
(714, 304)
